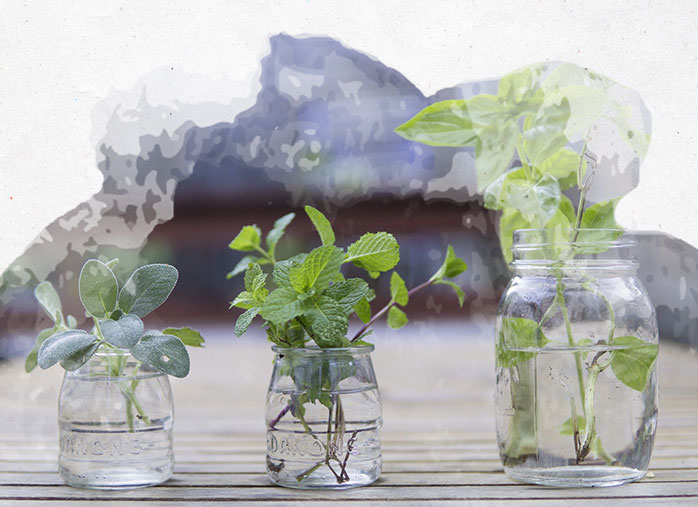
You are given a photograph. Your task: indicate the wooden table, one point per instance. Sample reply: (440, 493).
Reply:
(439, 446)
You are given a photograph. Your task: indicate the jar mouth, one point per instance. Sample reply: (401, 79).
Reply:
(536, 238)
(314, 350)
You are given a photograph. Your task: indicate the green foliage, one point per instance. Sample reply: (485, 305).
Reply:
(48, 299)
(327, 322)
(190, 337)
(277, 231)
(398, 289)
(374, 252)
(633, 364)
(248, 239)
(123, 333)
(445, 123)
(323, 226)
(62, 345)
(98, 288)
(164, 352)
(396, 318)
(147, 288)
(518, 341)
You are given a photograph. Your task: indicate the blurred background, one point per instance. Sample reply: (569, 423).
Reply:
(320, 132)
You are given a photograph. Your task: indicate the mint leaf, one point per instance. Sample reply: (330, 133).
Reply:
(189, 337)
(282, 305)
(244, 321)
(277, 231)
(517, 333)
(63, 345)
(398, 290)
(165, 353)
(80, 357)
(396, 318)
(363, 310)
(321, 265)
(327, 322)
(244, 300)
(255, 279)
(49, 300)
(147, 288)
(30, 363)
(445, 123)
(98, 288)
(323, 226)
(452, 266)
(122, 333)
(243, 263)
(248, 239)
(459, 292)
(282, 269)
(374, 252)
(632, 364)
(348, 293)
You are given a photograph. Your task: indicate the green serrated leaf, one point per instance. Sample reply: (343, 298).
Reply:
(374, 252)
(252, 274)
(363, 310)
(80, 357)
(244, 300)
(459, 292)
(31, 361)
(277, 231)
(248, 239)
(445, 123)
(327, 321)
(244, 321)
(348, 293)
(242, 265)
(49, 300)
(189, 337)
(61, 346)
(122, 333)
(282, 269)
(147, 288)
(633, 364)
(515, 337)
(98, 288)
(452, 266)
(321, 266)
(282, 305)
(396, 318)
(398, 289)
(165, 353)
(323, 226)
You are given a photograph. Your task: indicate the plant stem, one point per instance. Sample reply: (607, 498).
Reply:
(570, 338)
(582, 195)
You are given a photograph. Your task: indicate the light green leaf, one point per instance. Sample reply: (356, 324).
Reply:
(396, 318)
(452, 266)
(562, 165)
(600, 216)
(321, 266)
(30, 363)
(510, 221)
(244, 321)
(244, 300)
(147, 288)
(323, 226)
(80, 357)
(98, 288)
(189, 337)
(494, 151)
(518, 341)
(459, 292)
(567, 209)
(544, 134)
(165, 353)
(445, 123)
(348, 293)
(282, 269)
(536, 201)
(248, 239)
(122, 333)
(298, 279)
(49, 300)
(255, 279)
(567, 428)
(633, 364)
(277, 231)
(374, 252)
(363, 310)
(327, 322)
(521, 87)
(244, 263)
(61, 346)
(282, 305)
(111, 264)
(398, 289)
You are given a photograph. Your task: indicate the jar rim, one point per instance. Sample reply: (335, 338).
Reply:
(535, 238)
(315, 350)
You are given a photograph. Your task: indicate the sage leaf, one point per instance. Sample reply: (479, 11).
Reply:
(348, 293)
(445, 123)
(516, 337)
(31, 361)
(363, 310)
(147, 288)
(165, 353)
(327, 322)
(398, 289)
(277, 231)
(282, 305)
(49, 300)
(189, 337)
(452, 266)
(244, 321)
(460, 294)
(632, 365)
(248, 239)
(63, 345)
(374, 252)
(322, 225)
(396, 318)
(321, 265)
(80, 357)
(98, 288)
(122, 333)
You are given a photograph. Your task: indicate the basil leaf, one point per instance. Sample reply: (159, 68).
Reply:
(445, 123)
(517, 333)
(98, 288)
(147, 288)
(633, 364)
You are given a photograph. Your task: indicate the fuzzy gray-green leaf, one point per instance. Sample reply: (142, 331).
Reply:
(49, 300)
(323, 226)
(122, 333)
(80, 357)
(31, 361)
(147, 288)
(63, 345)
(98, 288)
(163, 352)
(374, 252)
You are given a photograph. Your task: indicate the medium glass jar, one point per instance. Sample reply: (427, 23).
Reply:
(576, 344)
(323, 415)
(115, 424)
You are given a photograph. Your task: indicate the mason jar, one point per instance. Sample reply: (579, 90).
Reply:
(576, 346)
(323, 415)
(115, 424)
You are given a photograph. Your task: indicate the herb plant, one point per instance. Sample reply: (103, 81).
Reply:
(545, 122)
(311, 304)
(117, 326)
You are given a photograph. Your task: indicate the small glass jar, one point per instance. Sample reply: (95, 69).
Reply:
(323, 415)
(115, 424)
(576, 343)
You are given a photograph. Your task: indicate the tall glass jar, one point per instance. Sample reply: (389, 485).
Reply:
(115, 424)
(576, 344)
(323, 415)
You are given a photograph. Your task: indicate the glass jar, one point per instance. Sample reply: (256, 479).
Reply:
(115, 424)
(323, 415)
(576, 344)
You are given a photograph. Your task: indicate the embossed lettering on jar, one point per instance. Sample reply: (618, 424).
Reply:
(576, 346)
(115, 432)
(323, 416)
